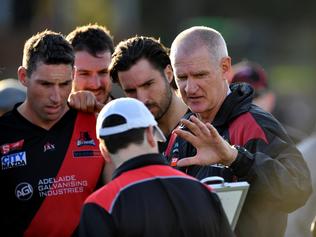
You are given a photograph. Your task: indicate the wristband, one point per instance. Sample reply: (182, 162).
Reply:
(243, 161)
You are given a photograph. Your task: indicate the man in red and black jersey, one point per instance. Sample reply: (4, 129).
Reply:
(50, 161)
(146, 197)
(263, 154)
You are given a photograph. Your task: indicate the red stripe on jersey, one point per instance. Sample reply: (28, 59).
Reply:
(106, 196)
(245, 128)
(59, 215)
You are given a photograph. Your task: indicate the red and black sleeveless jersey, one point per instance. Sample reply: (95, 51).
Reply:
(46, 175)
(149, 198)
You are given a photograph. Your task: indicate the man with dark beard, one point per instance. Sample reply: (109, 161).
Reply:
(142, 67)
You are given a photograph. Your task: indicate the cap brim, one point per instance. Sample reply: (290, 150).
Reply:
(159, 135)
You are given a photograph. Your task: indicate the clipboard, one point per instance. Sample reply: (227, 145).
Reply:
(232, 196)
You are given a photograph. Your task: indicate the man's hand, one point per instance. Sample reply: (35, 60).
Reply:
(211, 147)
(84, 101)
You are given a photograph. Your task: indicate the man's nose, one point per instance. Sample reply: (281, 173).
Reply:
(95, 81)
(55, 94)
(191, 86)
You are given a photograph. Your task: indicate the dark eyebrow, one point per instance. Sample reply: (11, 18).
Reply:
(147, 82)
(49, 82)
(82, 70)
(41, 81)
(201, 72)
(103, 70)
(66, 82)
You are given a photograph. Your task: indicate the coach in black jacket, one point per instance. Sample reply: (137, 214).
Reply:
(146, 196)
(262, 152)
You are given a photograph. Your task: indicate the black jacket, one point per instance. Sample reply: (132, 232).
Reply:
(278, 176)
(149, 198)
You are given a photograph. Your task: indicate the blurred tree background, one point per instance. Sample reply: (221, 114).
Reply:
(278, 34)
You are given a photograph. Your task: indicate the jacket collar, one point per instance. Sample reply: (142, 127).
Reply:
(236, 103)
(138, 162)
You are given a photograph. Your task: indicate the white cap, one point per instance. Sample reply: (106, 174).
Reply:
(135, 113)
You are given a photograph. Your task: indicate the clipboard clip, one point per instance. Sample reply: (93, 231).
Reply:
(214, 180)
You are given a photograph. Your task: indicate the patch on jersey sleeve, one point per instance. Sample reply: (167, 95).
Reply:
(6, 148)
(85, 140)
(13, 160)
(86, 153)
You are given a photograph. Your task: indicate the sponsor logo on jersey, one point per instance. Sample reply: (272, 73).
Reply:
(62, 185)
(174, 161)
(49, 147)
(174, 155)
(6, 148)
(85, 140)
(24, 191)
(86, 153)
(13, 160)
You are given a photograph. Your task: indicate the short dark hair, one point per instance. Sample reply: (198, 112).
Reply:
(48, 47)
(91, 38)
(129, 52)
(119, 141)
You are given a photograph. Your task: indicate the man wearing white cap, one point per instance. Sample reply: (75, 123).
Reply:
(146, 197)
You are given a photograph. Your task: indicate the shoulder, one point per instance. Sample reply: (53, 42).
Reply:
(10, 122)
(105, 196)
(254, 124)
(84, 115)
(7, 116)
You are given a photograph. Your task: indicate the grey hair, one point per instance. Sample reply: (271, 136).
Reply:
(197, 36)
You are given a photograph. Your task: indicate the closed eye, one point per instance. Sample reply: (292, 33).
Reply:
(181, 78)
(130, 92)
(148, 84)
(103, 72)
(83, 73)
(66, 83)
(45, 83)
(201, 74)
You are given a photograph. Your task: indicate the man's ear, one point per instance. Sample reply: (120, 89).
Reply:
(149, 135)
(22, 76)
(104, 152)
(226, 66)
(169, 73)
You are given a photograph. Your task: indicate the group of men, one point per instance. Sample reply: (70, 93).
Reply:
(49, 144)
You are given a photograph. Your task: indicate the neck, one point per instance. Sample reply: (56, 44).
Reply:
(172, 117)
(130, 152)
(28, 113)
(207, 116)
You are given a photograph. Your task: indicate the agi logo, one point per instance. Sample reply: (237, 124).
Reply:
(24, 191)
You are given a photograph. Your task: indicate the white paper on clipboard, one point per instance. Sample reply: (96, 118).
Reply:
(232, 196)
